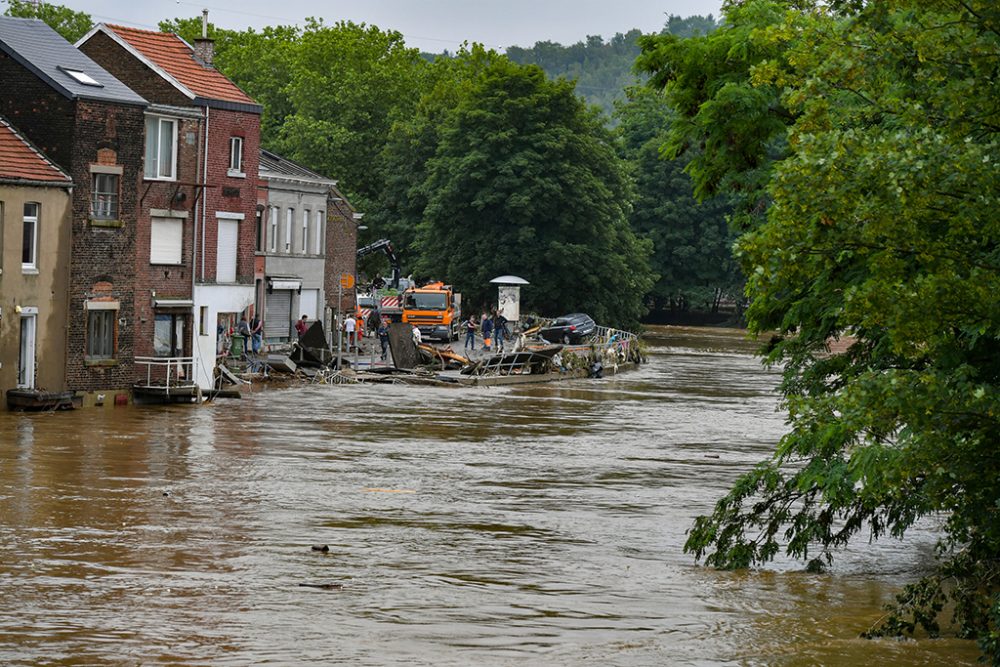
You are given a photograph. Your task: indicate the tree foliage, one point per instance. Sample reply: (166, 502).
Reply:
(692, 242)
(522, 178)
(603, 69)
(72, 25)
(872, 129)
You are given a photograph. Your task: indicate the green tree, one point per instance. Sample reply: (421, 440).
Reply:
(412, 143)
(732, 130)
(881, 226)
(692, 242)
(525, 179)
(71, 24)
(349, 83)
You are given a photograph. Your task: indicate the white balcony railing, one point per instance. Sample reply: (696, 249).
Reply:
(166, 373)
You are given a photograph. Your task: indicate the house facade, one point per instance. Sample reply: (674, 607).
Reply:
(342, 222)
(292, 241)
(92, 126)
(35, 217)
(199, 208)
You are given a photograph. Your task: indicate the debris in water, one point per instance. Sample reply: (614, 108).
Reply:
(326, 587)
(321, 547)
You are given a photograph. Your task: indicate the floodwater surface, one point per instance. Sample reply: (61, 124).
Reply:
(533, 525)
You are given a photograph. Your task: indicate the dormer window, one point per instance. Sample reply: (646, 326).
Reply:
(81, 77)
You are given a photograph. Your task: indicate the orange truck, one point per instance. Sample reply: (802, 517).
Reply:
(435, 309)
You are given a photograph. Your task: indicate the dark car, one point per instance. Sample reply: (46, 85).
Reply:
(568, 329)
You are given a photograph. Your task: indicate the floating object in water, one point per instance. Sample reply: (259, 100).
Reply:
(326, 587)
(376, 490)
(320, 547)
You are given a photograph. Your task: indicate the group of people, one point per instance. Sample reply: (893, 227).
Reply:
(252, 331)
(493, 328)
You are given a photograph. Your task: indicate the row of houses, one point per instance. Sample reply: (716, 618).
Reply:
(139, 216)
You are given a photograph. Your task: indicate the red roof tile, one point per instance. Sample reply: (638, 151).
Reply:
(20, 161)
(173, 55)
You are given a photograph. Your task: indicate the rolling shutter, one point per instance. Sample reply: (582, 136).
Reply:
(166, 237)
(229, 235)
(278, 314)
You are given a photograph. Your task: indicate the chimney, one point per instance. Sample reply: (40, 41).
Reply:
(204, 48)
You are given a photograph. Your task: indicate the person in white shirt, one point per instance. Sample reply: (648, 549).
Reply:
(415, 332)
(350, 326)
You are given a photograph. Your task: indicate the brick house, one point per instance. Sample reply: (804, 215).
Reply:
(292, 241)
(341, 255)
(91, 125)
(199, 207)
(35, 207)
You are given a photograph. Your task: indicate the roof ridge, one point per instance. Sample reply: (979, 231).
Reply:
(147, 30)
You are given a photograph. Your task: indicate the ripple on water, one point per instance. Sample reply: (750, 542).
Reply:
(538, 525)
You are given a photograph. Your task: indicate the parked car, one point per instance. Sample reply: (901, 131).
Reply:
(568, 329)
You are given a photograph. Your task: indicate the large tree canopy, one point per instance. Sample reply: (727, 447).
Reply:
(882, 227)
(692, 242)
(525, 179)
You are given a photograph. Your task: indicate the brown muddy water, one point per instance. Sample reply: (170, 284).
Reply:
(538, 525)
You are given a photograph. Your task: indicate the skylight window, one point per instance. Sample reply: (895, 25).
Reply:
(82, 77)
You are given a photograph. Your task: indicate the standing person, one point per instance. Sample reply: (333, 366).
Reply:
(256, 333)
(350, 326)
(301, 326)
(487, 332)
(470, 333)
(501, 332)
(243, 329)
(415, 334)
(383, 337)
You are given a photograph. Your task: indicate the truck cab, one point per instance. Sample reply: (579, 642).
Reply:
(435, 309)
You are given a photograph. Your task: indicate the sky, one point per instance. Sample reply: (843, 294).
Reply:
(429, 25)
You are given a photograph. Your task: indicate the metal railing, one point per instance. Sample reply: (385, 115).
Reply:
(167, 372)
(625, 343)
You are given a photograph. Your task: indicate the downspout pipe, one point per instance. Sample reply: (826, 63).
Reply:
(204, 207)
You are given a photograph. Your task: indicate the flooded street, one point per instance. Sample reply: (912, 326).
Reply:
(535, 525)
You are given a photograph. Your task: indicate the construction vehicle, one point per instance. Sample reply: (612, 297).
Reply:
(383, 299)
(435, 309)
(385, 246)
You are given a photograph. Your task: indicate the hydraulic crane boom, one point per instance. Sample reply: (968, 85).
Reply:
(385, 246)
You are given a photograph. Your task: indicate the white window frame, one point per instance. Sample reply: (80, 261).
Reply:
(158, 121)
(289, 227)
(27, 351)
(318, 231)
(273, 224)
(111, 199)
(306, 213)
(30, 266)
(236, 157)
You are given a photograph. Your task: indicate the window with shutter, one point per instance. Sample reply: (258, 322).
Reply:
(166, 241)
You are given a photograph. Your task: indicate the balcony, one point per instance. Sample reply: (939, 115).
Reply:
(167, 380)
